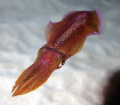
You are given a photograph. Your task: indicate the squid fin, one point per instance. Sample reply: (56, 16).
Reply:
(50, 29)
(96, 23)
(102, 21)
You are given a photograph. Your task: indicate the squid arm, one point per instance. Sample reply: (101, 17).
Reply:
(64, 39)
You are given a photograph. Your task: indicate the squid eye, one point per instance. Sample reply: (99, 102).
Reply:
(63, 62)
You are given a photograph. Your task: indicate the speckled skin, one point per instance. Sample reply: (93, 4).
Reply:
(64, 39)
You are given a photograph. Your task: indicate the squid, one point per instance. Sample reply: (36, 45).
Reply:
(64, 39)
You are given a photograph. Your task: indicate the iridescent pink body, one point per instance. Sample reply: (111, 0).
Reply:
(64, 39)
